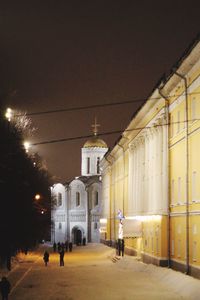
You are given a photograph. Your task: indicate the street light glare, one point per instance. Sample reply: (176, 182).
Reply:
(9, 114)
(26, 146)
(37, 196)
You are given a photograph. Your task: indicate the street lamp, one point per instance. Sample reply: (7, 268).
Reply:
(9, 114)
(26, 146)
(37, 197)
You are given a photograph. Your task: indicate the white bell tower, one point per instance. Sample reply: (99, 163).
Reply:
(92, 152)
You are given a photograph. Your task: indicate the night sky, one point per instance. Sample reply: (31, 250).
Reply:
(63, 54)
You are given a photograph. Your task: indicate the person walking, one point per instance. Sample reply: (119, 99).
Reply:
(4, 288)
(122, 247)
(66, 246)
(70, 246)
(54, 246)
(46, 257)
(62, 254)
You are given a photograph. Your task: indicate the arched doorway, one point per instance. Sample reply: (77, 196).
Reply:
(77, 234)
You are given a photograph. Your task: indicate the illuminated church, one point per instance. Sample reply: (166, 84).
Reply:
(77, 205)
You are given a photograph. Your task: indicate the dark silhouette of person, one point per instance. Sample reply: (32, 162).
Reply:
(4, 288)
(59, 246)
(66, 246)
(46, 257)
(119, 246)
(70, 246)
(116, 247)
(122, 247)
(54, 246)
(84, 241)
(62, 254)
(63, 246)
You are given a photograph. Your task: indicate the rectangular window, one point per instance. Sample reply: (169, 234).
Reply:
(194, 186)
(152, 245)
(194, 251)
(78, 200)
(179, 248)
(193, 109)
(179, 190)
(157, 247)
(172, 126)
(98, 167)
(178, 121)
(96, 198)
(59, 199)
(88, 165)
(194, 229)
(172, 192)
(184, 120)
(172, 253)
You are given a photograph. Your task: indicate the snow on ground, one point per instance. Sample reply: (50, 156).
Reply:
(94, 272)
(184, 285)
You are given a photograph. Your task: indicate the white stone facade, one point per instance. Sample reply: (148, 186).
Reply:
(77, 205)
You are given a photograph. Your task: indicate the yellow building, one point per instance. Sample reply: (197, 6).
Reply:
(152, 174)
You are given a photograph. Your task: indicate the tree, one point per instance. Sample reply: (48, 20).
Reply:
(23, 220)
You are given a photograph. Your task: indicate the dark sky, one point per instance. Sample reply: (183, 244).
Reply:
(62, 54)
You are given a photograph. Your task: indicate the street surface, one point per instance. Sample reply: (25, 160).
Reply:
(94, 272)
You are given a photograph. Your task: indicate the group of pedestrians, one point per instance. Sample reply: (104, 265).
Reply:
(61, 248)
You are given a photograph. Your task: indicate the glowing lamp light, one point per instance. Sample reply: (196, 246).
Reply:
(103, 221)
(145, 218)
(9, 114)
(37, 197)
(26, 146)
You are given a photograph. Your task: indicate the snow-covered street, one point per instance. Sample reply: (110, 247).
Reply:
(93, 272)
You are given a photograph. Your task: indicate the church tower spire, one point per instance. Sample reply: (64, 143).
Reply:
(92, 152)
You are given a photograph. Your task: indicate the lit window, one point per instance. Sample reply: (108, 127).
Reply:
(194, 229)
(59, 199)
(78, 201)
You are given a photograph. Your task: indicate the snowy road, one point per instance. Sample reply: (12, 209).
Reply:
(90, 272)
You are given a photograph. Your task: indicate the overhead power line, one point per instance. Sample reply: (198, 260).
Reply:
(107, 133)
(102, 105)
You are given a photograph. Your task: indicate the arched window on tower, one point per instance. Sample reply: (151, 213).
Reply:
(59, 199)
(96, 202)
(88, 165)
(78, 199)
(98, 167)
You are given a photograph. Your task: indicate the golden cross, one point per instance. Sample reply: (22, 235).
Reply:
(95, 126)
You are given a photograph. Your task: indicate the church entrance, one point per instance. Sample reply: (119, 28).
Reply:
(77, 236)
